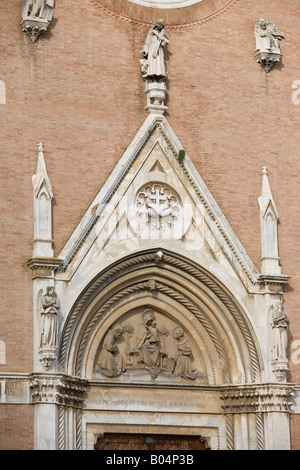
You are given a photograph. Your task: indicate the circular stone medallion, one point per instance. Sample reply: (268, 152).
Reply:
(165, 3)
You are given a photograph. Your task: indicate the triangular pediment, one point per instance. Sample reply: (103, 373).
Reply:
(152, 198)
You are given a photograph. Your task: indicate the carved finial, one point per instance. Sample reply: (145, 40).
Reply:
(158, 257)
(41, 147)
(269, 232)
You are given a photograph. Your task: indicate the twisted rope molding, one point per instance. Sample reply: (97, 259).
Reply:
(78, 429)
(260, 431)
(61, 428)
(229, 432)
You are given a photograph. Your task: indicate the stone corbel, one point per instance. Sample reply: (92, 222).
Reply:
(257, 399)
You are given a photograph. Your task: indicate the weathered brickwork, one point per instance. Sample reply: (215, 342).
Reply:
(78, 89)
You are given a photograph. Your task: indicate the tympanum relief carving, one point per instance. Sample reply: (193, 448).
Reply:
(148, 343)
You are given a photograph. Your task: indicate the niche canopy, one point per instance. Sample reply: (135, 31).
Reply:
(165, 3)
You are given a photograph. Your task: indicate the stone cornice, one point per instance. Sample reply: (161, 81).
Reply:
(57, 389)
(44, 263)
(257, 398)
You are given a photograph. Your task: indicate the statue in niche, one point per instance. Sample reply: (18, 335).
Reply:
(153, 62)
(280, 323)
(49, 313)
(268, 38)
(183, 366)
(111, 362)
(148, 345)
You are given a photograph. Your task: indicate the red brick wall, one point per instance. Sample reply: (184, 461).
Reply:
(79, 91)
(295, 431)
(16, 427)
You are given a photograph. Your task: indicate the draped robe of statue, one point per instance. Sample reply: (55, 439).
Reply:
(183, 365)
(49, 314)
(153, 64)
(148, 346)
(110, 362)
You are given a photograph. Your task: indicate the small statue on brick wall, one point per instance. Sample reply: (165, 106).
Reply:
(38, 9)
(268, 38)
(280, 323)
(36, 17)
(50, 314)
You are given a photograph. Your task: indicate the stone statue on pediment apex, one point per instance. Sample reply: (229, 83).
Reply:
(153, 61)
(153, 68)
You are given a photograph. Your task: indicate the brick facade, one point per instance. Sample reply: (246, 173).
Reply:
(78, 89)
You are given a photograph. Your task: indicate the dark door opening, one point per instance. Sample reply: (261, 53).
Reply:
(149, 442)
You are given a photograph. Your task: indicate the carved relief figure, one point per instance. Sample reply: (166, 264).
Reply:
(183, 364)
(110, 362)
(153, 62)
(150, 353)
(280, 323)
(49, 313)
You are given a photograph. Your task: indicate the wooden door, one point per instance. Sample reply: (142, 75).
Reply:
(149, 442)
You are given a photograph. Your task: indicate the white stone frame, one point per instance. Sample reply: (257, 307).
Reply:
(211, 428)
